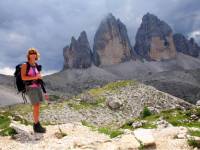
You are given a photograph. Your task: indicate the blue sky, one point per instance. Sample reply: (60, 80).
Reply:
(49, 25)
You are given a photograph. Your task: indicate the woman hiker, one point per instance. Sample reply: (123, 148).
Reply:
(33, 89)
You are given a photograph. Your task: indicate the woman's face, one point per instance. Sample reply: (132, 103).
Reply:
(32, 57)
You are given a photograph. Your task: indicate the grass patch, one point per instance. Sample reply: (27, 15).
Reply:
(180, 118)
(176, 117)
(145, 112)
(21, 109)
(5, 129)
(4, 122)
(111, 132)
(192, 142)
(194, 133)
(85, 123)
(119, 84)
(105, 130)
(78, 105)
(8, 132)
(111, 87)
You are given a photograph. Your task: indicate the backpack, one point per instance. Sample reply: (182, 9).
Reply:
(19, 83)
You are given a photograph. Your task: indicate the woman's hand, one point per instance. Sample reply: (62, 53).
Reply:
(46, 96)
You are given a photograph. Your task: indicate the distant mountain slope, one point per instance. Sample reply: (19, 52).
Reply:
(8, 96)
(169, 76)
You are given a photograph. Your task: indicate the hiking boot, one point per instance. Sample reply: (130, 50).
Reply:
(38, 128)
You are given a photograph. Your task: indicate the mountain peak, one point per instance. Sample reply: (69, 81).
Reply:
(154, 39)
(111, 42)
(78, 54)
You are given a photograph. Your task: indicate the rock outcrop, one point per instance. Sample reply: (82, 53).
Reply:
(189, 47)
(111, 42)
(78, 54)
(154, 39)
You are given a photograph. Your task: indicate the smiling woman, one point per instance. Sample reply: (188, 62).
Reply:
(31, 76)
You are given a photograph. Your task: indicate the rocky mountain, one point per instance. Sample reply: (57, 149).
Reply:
(183, 45)
(154, 39)
(78, 54)
(111, 42)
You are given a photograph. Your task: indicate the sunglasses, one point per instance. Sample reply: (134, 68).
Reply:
(32, 52)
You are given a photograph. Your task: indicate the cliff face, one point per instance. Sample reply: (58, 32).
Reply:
(111, 42)
(186, 46)
(154, 39)
(78, 54)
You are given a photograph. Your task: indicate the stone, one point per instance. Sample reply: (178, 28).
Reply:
(111, 42)
(87, 98)
(127, 142)
(145, 136)
(154, 39)
(186, 46)
(78, 54)
(138, 124)
(194, 117)
(198, 103)
(161, 123)
(114, 103)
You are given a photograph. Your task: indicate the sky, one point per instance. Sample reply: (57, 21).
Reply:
(48, 25)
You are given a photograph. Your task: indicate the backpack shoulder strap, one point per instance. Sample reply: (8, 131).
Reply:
(39, 67)
(27, 67)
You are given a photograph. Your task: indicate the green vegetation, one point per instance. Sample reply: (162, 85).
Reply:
(85, 123)
(194, 133)
(176, 117)
(5, 121)
(106, 130)
(146, 112)
(111, 87)
(8, 132)
(192, 142)
(21, 109)
(97, 95)
(78, 105)
(111, 132)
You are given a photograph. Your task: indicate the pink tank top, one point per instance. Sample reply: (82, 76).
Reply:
(33, 72)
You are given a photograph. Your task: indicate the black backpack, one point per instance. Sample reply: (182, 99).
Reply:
(19, 83)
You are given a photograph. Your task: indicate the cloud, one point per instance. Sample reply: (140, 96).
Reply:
(10, 71)
(7, 71)
(49, 25)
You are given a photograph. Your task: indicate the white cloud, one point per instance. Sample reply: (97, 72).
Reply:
(10, 71)
(7, 71)
(48, 72)
(195, 35)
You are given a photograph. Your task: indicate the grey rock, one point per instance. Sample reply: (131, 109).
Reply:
(194, 117)
(189, 47)
(138, 124)
(114, 103)
(154, 39)
(78, 54)
(111, 42)
(198, 103)
(161, 123)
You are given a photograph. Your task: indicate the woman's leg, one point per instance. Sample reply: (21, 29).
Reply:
(36, 112)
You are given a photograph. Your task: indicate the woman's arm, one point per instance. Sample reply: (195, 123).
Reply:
(25, 77)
